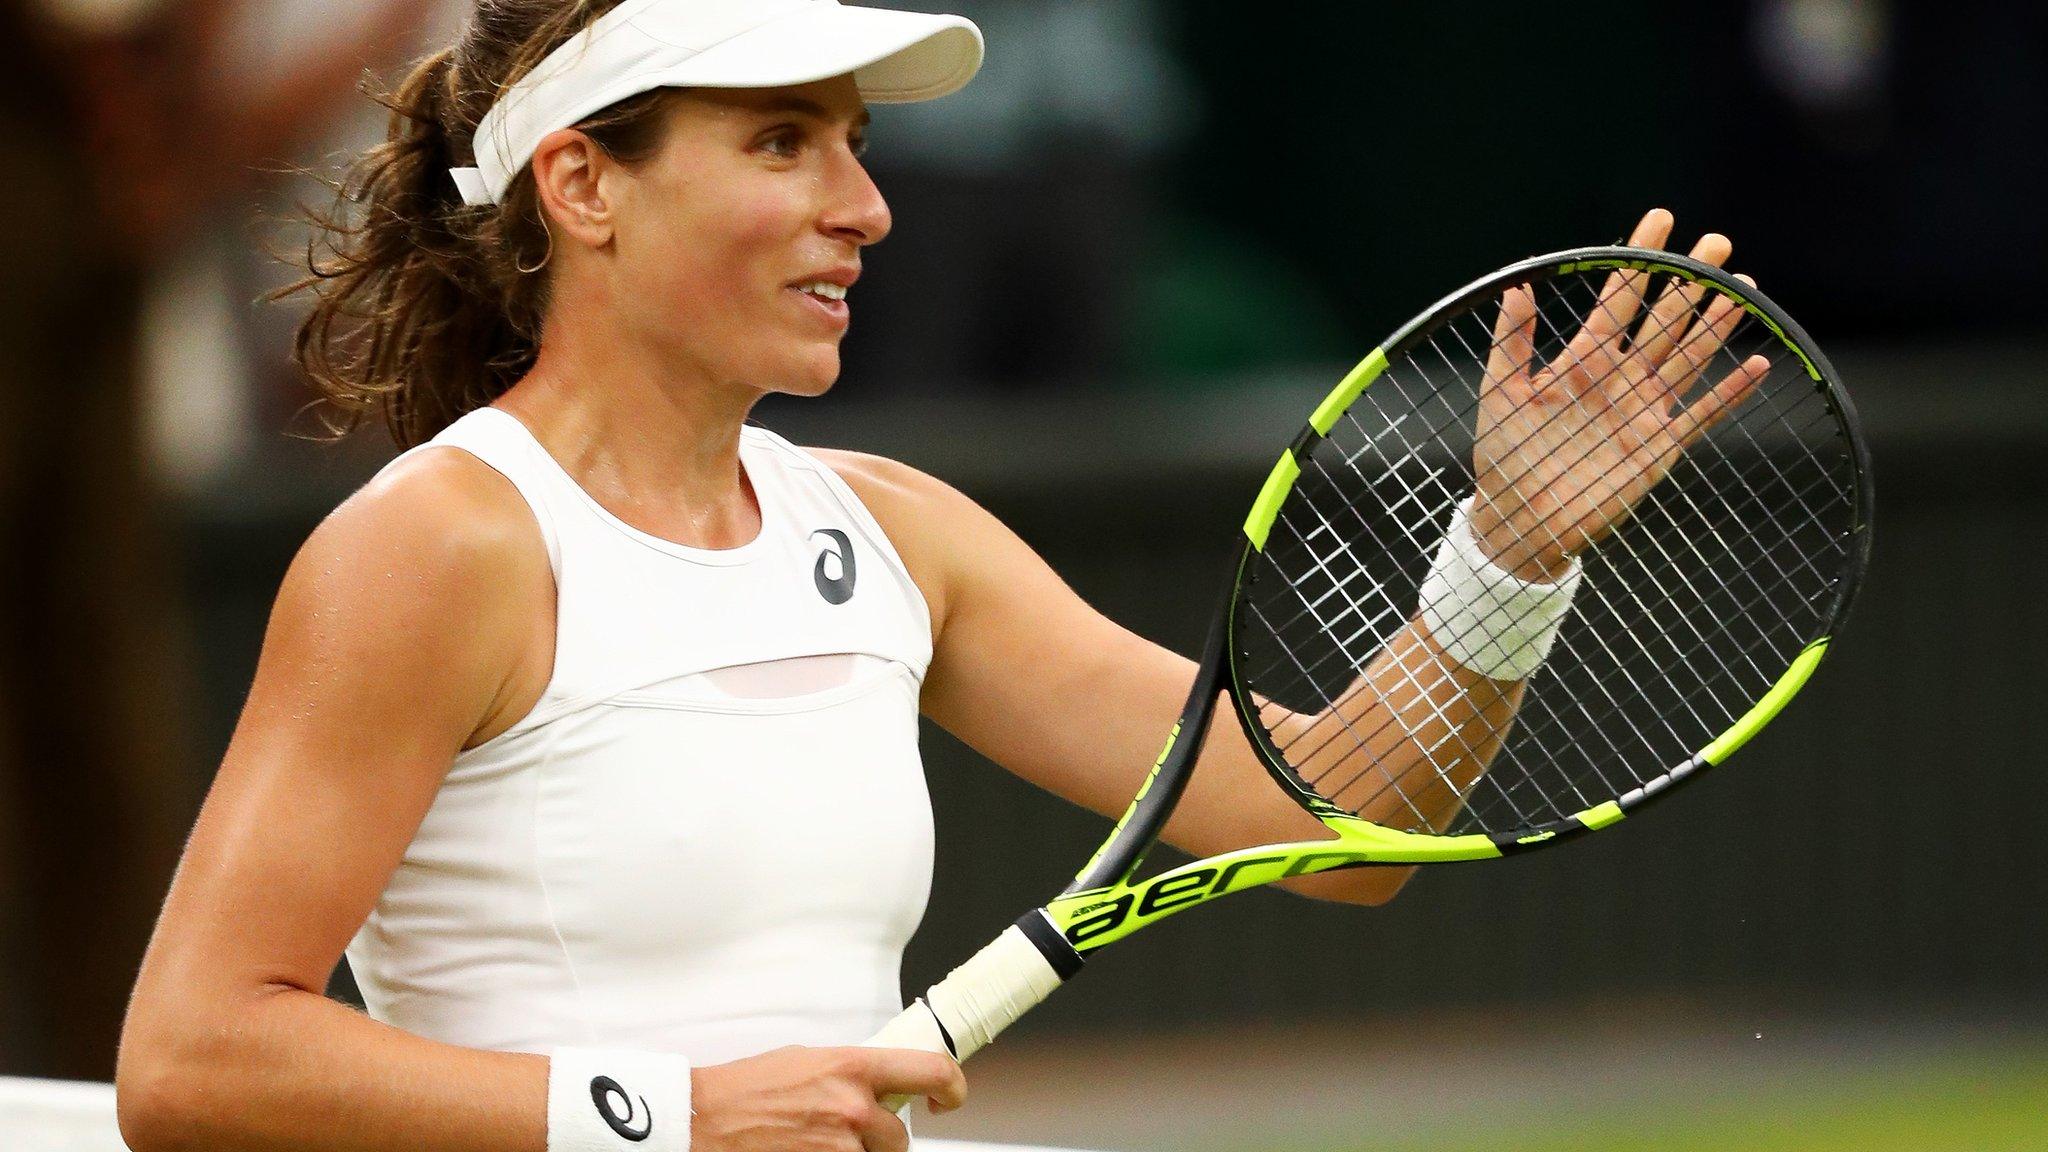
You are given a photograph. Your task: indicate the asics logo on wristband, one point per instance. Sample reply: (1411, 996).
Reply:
(839, 589)
(602, 1089)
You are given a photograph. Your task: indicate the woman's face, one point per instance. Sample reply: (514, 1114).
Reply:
(724, 237)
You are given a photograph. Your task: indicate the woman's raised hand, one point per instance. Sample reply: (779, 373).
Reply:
(1566, 449)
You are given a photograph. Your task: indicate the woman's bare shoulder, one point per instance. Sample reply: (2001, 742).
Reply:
(878, 479)
(438, 554)
(444, 497)
(413, 603)
(913, 507)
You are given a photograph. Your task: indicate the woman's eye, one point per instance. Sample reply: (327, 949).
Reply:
(788, 142)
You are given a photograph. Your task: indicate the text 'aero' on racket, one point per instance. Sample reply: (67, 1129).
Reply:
(1704, 601)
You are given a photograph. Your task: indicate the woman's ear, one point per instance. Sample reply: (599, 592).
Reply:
(566, 173)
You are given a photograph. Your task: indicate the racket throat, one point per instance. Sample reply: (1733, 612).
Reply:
(1123, 853)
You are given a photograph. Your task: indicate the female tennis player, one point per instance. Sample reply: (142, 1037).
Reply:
(588, 728)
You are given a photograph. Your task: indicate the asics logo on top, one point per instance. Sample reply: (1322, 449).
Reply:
(602, 1089)
(835, 589)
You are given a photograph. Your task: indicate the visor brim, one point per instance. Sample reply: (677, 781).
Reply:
(895, 57)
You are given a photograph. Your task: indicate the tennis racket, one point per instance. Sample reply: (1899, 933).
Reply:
(1704, 603)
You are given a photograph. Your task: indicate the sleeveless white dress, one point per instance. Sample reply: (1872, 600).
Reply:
(697, 842)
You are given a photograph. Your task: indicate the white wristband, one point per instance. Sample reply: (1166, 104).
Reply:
(1485, 617)
(608, 1100)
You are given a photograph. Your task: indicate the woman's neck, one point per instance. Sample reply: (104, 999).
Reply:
(660, 453)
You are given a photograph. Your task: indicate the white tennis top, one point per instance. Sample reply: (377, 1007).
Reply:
(711, 836)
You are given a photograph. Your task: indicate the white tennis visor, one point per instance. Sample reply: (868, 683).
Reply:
(894, 57)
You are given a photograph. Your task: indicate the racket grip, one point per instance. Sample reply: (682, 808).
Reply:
(966, 1011)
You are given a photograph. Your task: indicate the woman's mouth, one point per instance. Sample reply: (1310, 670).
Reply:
(829, 300)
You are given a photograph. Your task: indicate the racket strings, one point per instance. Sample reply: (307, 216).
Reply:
(1701, 646)
(1442, 357)
(1691, 607)
(1346, 646)
(1326, 525)
(1801, 499)
(1436, 764)
(1685, 644)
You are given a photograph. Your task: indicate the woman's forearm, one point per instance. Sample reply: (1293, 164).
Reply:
(288, 1070)
(1404, 743)
(1402, 746)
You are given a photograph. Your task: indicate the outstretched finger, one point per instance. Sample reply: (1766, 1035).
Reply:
(1621, 297)
(1673, 313)
(1697, 350)
(1514, 335)
(1703, 414)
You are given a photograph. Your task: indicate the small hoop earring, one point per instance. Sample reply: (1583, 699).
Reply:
(544, 257)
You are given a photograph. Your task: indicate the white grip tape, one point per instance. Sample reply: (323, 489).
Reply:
(1000, 983)
(1485, 617)
(975, 1002)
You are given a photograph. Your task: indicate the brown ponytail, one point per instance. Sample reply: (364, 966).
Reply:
(424, 307)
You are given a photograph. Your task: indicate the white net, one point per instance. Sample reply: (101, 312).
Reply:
(57, 1116)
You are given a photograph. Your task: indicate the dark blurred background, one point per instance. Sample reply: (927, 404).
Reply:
(1126, 261)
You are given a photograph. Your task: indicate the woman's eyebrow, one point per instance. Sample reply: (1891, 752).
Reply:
(811, 108)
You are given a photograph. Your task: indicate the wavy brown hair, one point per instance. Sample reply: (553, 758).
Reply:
(425, 307)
